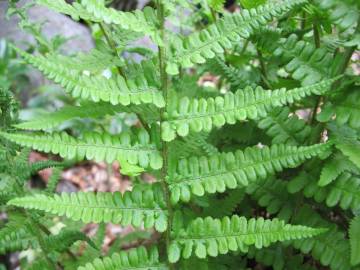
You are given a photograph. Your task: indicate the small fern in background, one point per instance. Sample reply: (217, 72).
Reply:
(261, 169)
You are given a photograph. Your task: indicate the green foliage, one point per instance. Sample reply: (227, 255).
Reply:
(204, 114)
(216, 173)
(101, 147)
(138, 258)
(219, 236)
(224, 174)
(354, 234)
(136, 207)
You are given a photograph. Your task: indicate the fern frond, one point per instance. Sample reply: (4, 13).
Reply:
(193, 145)
(62, 241)
(139, 21)
(272, 194)
(344, 14)
(354, 235)
(100, 147)
(137, 207)
(308, 64)
(334, 167)
(76, 11)
(16, 239)
(331, 248)
(115, 90)
(216, 173)
(219, 236)
(94, 61)
(138, 258)
(204, 114)
(347, 111)
(344, 191)
(87, 110)
(208, 43)
(283, 127)
(351, 150)
(95, 10)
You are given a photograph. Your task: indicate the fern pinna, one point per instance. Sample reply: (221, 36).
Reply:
(286, 103)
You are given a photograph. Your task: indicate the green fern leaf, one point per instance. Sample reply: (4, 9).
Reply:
(76, 11)
(216, 173)
(199, 46)
(307, 63)
(334, 167)
(354, 235)
(351, 150)
(62, 241)
(252, 3)
(219, 236)
(285, 128)
(95, 10)
(138, 258)
(86, 110)
(12, 240)
(216, 5)
(272, 194)
(347, 111)
(139, 21)
(115, 90)
(100, 147)
(141, 206)
(344, 14)
(204, 114)
(344, 191)
(331, 248)
(94, 62)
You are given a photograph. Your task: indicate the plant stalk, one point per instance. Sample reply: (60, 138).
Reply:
(165, 154)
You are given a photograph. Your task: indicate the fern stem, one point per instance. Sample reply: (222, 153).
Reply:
(263, 69)
(317, 45)
(316, 35)
(164, 87)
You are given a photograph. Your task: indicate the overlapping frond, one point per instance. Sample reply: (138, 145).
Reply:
(218, 37)
(272, 194)
(284, 127)
(136, 149)
(95, 10)
(347, 111)
(12, 240)
(139, 258)
(307, 63)
(343, 13)
(86, 110)
(216, 173)
(204, 114)
(76, 11)
(219, 236)
(116, 90)
(344, 191)
(331, 248)
(354, 235)
(94, 61)
(141, 206)
(335, 166)
(140, 21)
